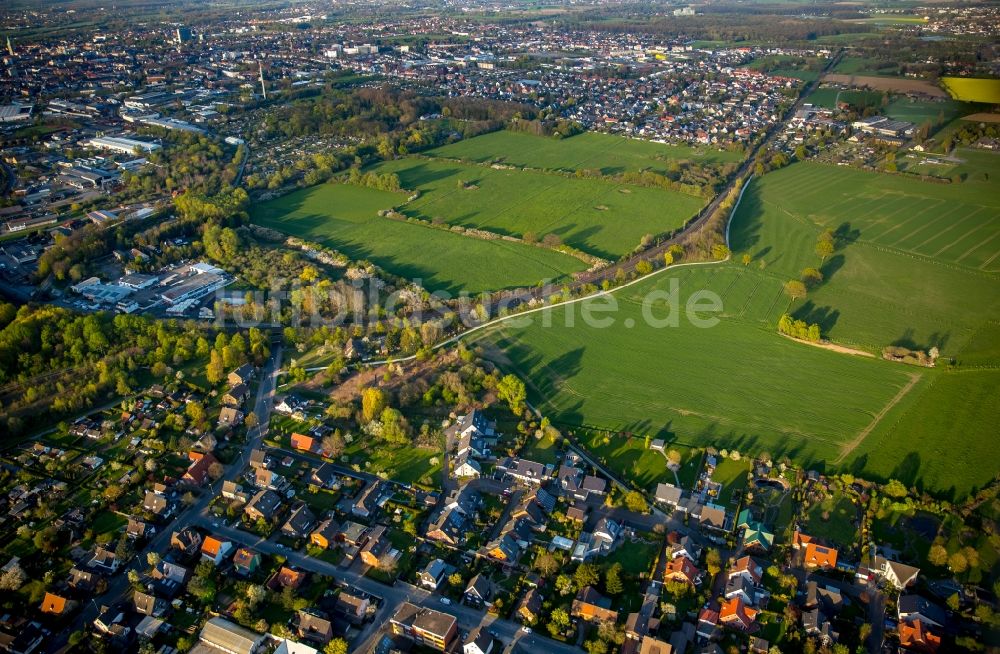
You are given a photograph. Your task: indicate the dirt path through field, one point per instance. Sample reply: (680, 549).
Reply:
(850, 446)
(833, 347)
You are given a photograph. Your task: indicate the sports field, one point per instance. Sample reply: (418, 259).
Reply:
(599, 217)
(926, 111)
(828, 97)
(345, 217)
(608, 153)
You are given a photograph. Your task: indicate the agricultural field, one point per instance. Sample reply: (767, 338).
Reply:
(969, 89)
(917, 264)
(345, 217)
(828, 97)
(893, 84)
(935, 112)
(597, 216)
(732, 385)
(611, 154)
(788, 66)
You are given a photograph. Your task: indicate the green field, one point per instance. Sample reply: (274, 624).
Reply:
(344, 217)
(935, 112)
(917, 264)
(611, 154)
(597, 216)
(828, 97)
(732, 385)
(788, 66)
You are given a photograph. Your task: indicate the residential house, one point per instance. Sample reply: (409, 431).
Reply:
(300, 522)
(449, 527)
(198, 471)
(233, 491)
(264, 478)
(504, 549)
(818, 606)
(479, 591)
(314, 627)
(681, 569)
(304, 443)
(58, 605)
(260, 459)
(242, 375)
(215, 550)
(651, 645)
(708, 623)
(434, 574)
(230, 417)
(291, 405)
(236, 395)
(325, 476)
(286, 577)
(137, 529)
(668, 494)
(898, 574)
(606, 533)
(156, 504)
(525, 471)
(577, 485)
(735, 613)
(685, 546)
(104, 561)
(915, 607)
(915, 636)
(352, 607)
(245, 561)
(590, 605)
(481, 641)
(424, 626)
(148, 604)
(530, 607)
(84, 582)
(376, 547)
(466, 467)
(187, 541)
(756, 536)
(326, 532)
(263, 506)
(365, 503)
(818, 556)
(713, 517)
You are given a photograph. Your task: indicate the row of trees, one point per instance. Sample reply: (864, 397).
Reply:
(799, 329)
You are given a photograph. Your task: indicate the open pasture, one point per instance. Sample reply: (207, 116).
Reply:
(345, 217)
(606, 152)
(740, 385)
(597, 216)
(917, 263)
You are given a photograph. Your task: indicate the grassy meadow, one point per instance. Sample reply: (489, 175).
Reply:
(345, 217)
(917, 264)
(737, 384)
(597, 216)
(608, 153)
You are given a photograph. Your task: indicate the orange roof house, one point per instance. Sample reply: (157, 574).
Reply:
(286, 578)
(817, 556)
(215, 549)
(303, 442)
(734, 613)
(56, 605)
(800, 540)
(914, 635)
(681, 569)
(591, 605)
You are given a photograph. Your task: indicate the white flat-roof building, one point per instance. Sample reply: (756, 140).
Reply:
(123, 144)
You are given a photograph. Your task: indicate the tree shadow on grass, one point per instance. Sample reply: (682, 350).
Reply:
(825, 317)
